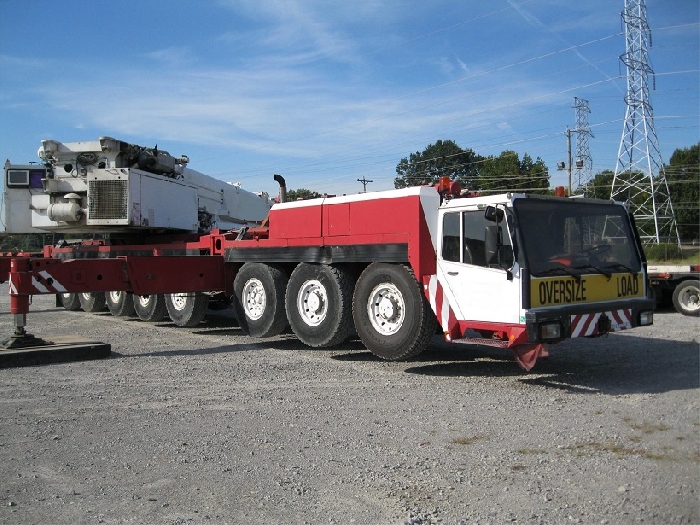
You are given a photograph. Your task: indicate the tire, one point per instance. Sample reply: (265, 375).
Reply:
(120, 304)
(70, 301)
(318, 303)
(258, 299)
(686, 298)
(186, 309)
(93, 301)
(392, 316)
(150, 308)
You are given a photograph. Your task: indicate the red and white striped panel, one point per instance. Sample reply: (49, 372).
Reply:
(39, 286)
(586, 325)
(441, 306)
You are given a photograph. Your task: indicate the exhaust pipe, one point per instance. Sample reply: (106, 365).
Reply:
(283, 187)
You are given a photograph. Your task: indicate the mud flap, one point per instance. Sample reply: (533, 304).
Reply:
(526, 355)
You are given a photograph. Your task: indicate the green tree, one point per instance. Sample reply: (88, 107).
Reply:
(444, 158)
(683, 177)
(508, 173)
(301, 194)
(600, 186)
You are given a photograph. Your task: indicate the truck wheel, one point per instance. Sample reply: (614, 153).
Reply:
(686, 298)
(392, 316)
(120, 304)
(186, 309)
(93, 301)
(150, 308)
(318, 303)
(258, 299)
(70, 301)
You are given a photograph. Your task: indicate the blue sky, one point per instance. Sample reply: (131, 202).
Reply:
(327, 92)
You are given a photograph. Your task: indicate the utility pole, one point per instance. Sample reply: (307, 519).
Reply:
(562, 165)
(364, 183)
(639, 173)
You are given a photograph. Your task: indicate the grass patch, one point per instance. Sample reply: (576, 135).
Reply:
(467, 440)
(585, 449)
(530, 451)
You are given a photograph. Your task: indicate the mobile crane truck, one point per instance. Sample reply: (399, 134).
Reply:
(394, 267)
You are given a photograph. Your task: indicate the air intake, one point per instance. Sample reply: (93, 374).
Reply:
(108, 200)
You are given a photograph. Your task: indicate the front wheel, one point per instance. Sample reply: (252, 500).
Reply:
(187, 309)
(392, 316)
(319, 304)
(150, 308)
(686, 298)
(93, 301)
(258, 299)
(120, 304)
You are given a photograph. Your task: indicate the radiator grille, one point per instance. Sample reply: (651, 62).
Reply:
(108, 199)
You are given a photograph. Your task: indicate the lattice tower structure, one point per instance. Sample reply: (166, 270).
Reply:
(584, 161)
(639, 173)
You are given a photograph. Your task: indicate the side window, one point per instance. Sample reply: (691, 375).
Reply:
(450, 237)
(474, 226)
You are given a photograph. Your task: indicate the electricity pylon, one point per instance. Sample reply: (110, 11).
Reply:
(639, 173)
(584, 161)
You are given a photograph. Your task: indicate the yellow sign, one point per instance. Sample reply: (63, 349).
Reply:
(556, 291)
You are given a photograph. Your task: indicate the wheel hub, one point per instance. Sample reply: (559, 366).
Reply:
(312, 302)
(179, 301)
(144, 300)
(386, 308)
(254, 299)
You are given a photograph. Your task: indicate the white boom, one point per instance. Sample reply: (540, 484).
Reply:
(109, 185)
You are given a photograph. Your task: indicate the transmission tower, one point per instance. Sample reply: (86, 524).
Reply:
(639, 173)
(584, 162)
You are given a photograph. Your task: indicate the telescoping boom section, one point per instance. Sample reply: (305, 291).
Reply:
(395, 268)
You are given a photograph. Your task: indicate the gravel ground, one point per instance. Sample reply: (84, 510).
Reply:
(207, 426)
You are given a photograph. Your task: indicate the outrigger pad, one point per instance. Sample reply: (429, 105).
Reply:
(59, 349)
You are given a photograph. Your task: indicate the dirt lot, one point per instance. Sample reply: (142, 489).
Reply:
(207, 426)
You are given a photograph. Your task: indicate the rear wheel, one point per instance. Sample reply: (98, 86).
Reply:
(392, 316)
(70, 301)
(319, 304)
(186, 309)
(120, 304)
(150, 308)
(686, 298)
(258, 299)
(93, 301)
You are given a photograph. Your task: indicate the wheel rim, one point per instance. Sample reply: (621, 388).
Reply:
(86, 295)
(179, 301)
(144, 300)
(312, 302)
(65, 296)
(115, 297)
(690, 299)
(386, 308)
(254, 299)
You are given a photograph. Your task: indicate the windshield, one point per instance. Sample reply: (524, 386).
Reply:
(575, 237)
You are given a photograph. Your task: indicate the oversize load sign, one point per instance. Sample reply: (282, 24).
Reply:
(556, 291)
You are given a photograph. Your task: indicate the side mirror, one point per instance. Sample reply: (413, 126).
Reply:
(497, 254)
(492, 243)
(493, 214)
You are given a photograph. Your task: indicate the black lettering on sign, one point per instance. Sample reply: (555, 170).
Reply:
(627, 285)
(562, 291)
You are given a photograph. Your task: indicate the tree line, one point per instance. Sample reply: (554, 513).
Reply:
(683, 178)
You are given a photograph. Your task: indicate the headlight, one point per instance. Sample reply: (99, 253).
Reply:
(550, 330)
(646, 318)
